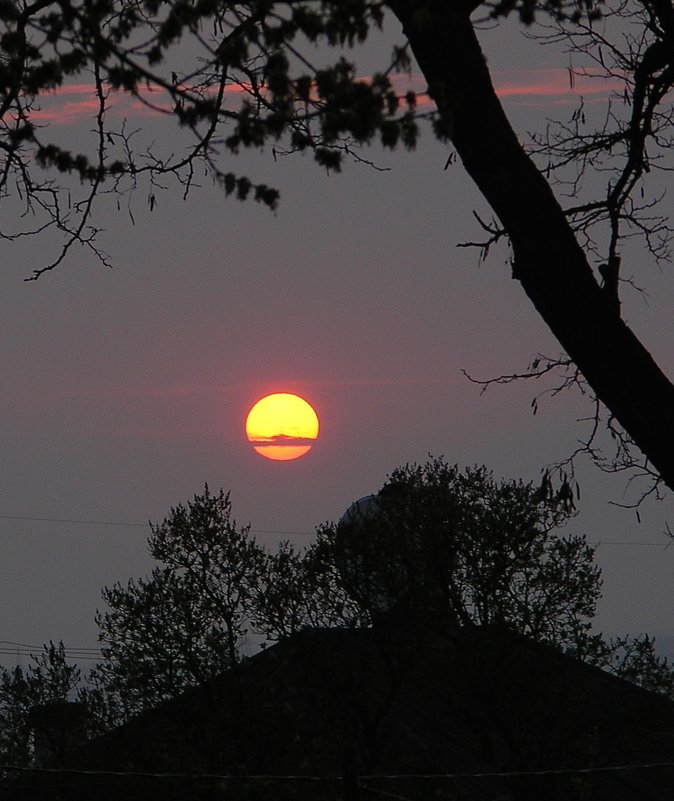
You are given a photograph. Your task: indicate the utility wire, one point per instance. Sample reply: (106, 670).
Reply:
(150, 775)
(74, 657)
(122, 524)
(68, 520)
(17, 649)
(364, 778)
(502, 774)
(40, 647)
(384, 792)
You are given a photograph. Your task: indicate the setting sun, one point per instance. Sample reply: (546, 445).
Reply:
(282, 426)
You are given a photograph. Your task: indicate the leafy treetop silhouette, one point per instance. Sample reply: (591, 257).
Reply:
(453, 548)
(449, 549)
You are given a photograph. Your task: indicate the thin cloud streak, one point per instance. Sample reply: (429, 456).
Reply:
(57, 109)
(521, 85)
(554, 83)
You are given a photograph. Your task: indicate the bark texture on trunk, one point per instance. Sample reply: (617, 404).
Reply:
(548, 261)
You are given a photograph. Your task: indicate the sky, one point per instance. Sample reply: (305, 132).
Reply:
(125, 390)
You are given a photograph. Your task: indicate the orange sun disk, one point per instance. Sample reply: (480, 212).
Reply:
(282, 426)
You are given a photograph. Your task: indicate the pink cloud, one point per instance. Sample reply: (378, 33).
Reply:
(65, 113)
(553, 83)
(554, 86)
(74, 102)
(57, 108)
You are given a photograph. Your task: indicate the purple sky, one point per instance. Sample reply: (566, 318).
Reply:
(125, 390)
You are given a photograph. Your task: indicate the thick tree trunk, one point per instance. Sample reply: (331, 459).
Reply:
(548, 261)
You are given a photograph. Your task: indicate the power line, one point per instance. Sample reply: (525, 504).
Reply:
(123, 524)
(365, 778)
(503, 774)
(40, 647)
(17, 649)
(601, 543)
(384, 792)
(75, 657)
(25, 652)
(273, 531)
(69, 520)
(151, 775)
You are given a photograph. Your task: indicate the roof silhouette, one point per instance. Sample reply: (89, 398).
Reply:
(347, 710)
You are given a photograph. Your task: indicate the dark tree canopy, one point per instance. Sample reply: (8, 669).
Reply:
(236, 75)
(49, 679)
(448, 548)
(445, 547)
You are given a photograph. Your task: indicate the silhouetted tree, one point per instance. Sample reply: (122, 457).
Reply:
(48, 679)
(188, 619)
(446, 548)
(632, 658)
(441, 548)
(453, 547)
(263, 50)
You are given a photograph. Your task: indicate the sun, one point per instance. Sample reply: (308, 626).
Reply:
(282, 426)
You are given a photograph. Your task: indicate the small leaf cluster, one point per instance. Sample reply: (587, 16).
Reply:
(361, 108)
(243, 188)
(573, 10)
